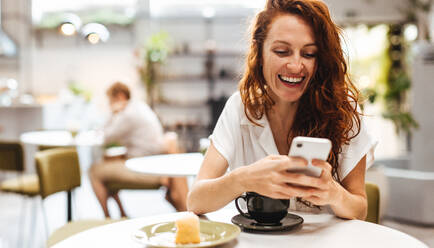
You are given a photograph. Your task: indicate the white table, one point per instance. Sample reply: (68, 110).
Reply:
(321, 230)
(173, 165)
(62, 138)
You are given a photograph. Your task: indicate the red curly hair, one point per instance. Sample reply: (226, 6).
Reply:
(328, 107)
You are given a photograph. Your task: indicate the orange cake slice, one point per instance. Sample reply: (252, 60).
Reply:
(187, 229)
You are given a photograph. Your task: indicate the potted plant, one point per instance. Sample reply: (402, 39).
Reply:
(152, 54)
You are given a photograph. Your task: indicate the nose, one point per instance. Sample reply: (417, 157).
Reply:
(295, 64)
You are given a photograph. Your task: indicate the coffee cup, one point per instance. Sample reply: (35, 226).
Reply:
(263, 209)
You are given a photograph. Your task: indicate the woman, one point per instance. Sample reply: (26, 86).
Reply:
(295, 84)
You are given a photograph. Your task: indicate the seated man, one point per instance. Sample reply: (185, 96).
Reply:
(135, 126)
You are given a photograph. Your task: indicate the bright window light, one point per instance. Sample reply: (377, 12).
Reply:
(410, 32)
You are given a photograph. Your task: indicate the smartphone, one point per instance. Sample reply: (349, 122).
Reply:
(309, 148)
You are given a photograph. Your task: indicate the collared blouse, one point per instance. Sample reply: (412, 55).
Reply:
(242, 143)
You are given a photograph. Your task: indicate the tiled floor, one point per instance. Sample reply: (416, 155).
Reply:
(137, 203)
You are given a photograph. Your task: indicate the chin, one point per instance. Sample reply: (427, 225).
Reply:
(291, 96)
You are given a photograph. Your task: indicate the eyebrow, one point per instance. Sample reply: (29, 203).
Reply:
(289, 44)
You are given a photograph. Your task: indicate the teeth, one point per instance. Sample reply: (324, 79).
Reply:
(291, 79)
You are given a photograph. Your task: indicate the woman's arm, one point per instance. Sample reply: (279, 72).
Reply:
(351, 202)
(214, 189)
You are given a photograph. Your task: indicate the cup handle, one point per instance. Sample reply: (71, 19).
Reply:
(247, 215)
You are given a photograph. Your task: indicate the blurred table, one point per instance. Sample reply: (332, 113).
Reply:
(173, 165)
(318, 230)
(62, 138)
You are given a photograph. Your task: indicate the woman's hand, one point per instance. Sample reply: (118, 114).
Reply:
(268, 176)
(347, 200)
(319, 191)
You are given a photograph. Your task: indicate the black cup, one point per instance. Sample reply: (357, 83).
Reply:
(263, 209)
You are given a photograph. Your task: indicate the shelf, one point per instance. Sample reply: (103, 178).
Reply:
(204, 54)
(193, 105)
(197, 79)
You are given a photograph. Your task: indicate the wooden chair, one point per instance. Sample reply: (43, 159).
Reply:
(373, 195)
(58, 170)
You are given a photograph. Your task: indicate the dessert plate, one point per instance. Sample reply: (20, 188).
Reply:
(163, 234)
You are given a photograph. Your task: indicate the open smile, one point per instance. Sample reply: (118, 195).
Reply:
(291, 81)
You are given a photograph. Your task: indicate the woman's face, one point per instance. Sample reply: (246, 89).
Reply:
(289, 57)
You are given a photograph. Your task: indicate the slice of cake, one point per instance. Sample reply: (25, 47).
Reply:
(187, 229)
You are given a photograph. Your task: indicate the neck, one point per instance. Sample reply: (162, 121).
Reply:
(283, 113)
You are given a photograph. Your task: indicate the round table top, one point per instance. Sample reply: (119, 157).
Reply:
(318, 230)
(174, 165)
(62, 138)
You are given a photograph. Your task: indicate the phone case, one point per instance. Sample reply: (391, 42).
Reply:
(310, 148)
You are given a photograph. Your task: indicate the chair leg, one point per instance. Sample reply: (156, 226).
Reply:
(69, 207)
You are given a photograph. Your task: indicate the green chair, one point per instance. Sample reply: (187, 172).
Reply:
(12, 160)
(373, 195)
(59, 170)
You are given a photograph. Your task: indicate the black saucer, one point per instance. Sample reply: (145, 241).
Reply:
(289, 222)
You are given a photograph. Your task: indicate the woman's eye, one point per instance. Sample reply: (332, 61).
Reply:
(280, 52)
(310, 55)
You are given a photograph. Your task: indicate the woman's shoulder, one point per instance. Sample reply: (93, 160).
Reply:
(234, 108)
(235, 100)
(234, 104)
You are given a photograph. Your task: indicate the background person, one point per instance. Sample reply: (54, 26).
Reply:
(134, 125)
(295, 84)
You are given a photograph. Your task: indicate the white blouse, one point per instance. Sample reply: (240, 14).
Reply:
(242, 143)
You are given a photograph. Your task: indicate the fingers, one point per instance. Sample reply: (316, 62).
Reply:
(300, 191)
(291, 162)
(285, 191)
(303, 180)
(322, 164)
(314, 200)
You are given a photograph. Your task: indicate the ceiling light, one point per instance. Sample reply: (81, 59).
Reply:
(70, 24)
(93, 38)
(95, 32)
(67, 29)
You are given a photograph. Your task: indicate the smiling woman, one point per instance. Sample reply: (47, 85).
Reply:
(289, 57)
(295, 84)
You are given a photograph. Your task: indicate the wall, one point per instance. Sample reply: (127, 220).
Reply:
(422, 156)
(366, 11)
(48, 61)
(57, 60)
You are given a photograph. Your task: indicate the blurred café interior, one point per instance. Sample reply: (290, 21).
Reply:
(184, 58)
